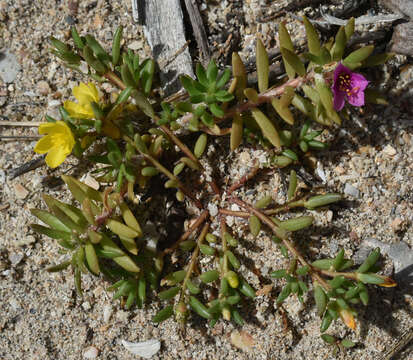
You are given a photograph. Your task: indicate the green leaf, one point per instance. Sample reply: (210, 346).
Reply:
(338, 260)
(317, 145)
(285, 292)
(347, 343)
(263, 68)
(246, 288)
(239, 73)
(292, 186)
(303, 270)
(80, 190)
(199, 308)
(370, 261)
(322, 200)
(212, 71)
(209, 276)
(254, 225)
(223, 79)
(251, 95)
(58, 267)
(326, 97)
(337, 281)
(53, 233)
(328, 338)
(216, 110)
(232, 259)
(320, 299)
(50, 220)
(267, 127)
(77, 40)
(169, 294)
(279, 274)
(236, 132)
(187, 245)
(143, 103)
(200, 145)
(349, 28)
(263, 202)
(358, 55)
(91, 258)
(123, 261)
(193, 289)
(116, 45)
(297, 223)
(340, 44)
(146, 75)
(201, 75)
(121, 229)
(164, 314)
(207, 250)
(294, 61)
(286, 43)
(237, 317)
(98, 50)
(324, 264)
(304, 106)
(313, 39)
(325, 323)
(71, 211)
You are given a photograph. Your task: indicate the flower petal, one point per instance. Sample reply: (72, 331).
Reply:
(338, 100)
(341, 69)
(44, 145)
(78, 111)
(85, 94)
(356, 99)
(50, 128)
(359, 81)
(56, 156)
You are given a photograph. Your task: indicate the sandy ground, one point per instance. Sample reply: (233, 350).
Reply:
(370, 160)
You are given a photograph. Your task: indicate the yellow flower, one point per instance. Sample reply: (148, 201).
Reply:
(58, 142)
(84, 94)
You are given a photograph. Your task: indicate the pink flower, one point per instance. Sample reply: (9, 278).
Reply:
(348, 86)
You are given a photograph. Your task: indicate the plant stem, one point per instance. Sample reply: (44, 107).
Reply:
(223, 228)
(244, 179)
(112, 77)
(201, 218)
(283, 236)
(165, 171)
(194, 257)
(348, 275)
(286, 207)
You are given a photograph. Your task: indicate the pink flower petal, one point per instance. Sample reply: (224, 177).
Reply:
(356, 99)
(359, 81)
(338, 100)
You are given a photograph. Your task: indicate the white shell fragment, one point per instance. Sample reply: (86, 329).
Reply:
(146, 349)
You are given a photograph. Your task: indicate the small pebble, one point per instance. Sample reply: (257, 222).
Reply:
(20, 191)
(91, 353)
(15, 258)
(86, 306)
(43, 87)
(351, 191)
(389, 150)
(107, 313)
(135, 45)
(26, 240)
